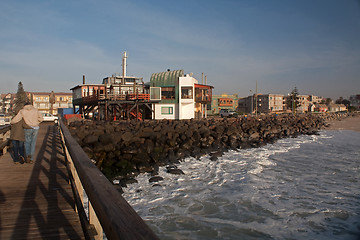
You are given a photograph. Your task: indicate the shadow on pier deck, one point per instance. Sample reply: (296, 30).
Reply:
(36, 200)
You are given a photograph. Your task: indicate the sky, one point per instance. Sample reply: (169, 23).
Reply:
(313, 45)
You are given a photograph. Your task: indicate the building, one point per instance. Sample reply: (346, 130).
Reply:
(315, 99)
(304, 103)
(355, 101)
(180, 96)
(245, 104)
(224, 101)
(7, 102)
(270, 103)
(337, 107)
(50, 102)
(262, 103)
(118, 97)
(318, 107)
(46, 102)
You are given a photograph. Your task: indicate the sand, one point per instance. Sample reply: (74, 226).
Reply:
(349, 123)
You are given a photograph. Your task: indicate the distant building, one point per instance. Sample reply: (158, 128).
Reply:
(337, 107)
(224, 101)
(180, 96)
(246, 104)
(270, 103)
(320, 107)
(355, 101)
(7, 102)
(304, 102)
(42, 101)
(262, 103)
(315, 99)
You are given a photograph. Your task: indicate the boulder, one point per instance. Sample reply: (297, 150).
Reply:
(156, 179)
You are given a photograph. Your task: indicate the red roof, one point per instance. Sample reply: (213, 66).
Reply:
(203, 86)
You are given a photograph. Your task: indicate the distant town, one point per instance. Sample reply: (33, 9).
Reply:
(169, 95)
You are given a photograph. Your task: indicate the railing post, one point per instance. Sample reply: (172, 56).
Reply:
(94, 221)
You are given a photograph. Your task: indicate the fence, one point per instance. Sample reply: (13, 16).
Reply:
(4, 138)
(108, 210)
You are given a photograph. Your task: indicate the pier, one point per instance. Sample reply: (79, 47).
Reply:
(46, 199)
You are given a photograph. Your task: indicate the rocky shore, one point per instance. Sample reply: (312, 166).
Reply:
(126, 148)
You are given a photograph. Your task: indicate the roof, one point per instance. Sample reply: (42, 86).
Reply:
(48, 93)
(79, 86)
(203, 86)
(166, 78)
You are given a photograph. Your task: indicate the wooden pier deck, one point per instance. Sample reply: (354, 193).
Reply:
(36, 200)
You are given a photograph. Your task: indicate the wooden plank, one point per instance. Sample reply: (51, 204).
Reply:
(36, 200)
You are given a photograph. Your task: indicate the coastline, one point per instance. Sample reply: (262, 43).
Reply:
(349, 123)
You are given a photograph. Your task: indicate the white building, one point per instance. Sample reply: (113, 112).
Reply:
(181, 96)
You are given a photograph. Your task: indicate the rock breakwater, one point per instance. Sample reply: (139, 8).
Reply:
(127, 148)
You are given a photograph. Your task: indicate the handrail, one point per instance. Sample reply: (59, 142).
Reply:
(4, 136)
(112, 213)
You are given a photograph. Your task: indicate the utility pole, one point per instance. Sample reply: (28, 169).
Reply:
(256, 100)
(252, 102)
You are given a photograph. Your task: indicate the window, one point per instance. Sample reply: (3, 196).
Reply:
(225, 102)
(186, 92)
(168, 93)
(166, 110)
(155, 93)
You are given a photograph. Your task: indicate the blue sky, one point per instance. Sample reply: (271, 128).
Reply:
(311, 44)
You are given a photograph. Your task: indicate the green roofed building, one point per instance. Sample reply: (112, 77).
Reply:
(180, 95)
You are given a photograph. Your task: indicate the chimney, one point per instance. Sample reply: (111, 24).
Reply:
(124, 64)
(83, 79)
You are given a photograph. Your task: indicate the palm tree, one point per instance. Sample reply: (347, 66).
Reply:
(293, 100)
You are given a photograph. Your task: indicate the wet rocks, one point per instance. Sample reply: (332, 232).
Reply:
(155, 179)
(127, 148)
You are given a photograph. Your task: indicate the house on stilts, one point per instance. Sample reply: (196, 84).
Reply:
(169, 95)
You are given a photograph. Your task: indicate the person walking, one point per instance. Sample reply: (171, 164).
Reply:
(33, 118)
(17, 136)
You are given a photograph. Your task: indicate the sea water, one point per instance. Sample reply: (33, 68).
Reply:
(297, 188)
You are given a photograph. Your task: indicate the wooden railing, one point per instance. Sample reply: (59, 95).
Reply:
(117, 97)
(108, 211)
(4, 138)
(142, 96)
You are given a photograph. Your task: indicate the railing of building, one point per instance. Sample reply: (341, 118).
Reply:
(116, 97)
(203, 93)
(4, 138)
(108, 211)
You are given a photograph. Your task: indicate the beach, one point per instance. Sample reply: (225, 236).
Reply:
(349, 123)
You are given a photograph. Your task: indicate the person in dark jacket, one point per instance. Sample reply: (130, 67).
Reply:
(32, 118)
(17, 135)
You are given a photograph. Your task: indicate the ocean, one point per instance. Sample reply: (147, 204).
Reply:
(297, 188)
